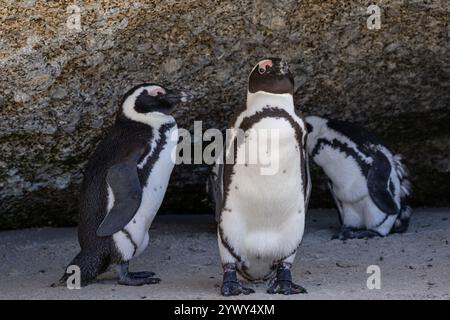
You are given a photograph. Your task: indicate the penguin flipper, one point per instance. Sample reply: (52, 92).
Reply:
(216, 183)
(378, 185)
(308, 181)
(123, 179)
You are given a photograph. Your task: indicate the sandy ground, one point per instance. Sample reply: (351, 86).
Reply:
(183, 252)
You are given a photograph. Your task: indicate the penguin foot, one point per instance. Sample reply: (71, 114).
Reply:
(130, 281)
(60, 283)
(283, 282)
(141, 274)
(286, 288)
(351, 233)
(135, 278)
(235, 288)
(231, 285)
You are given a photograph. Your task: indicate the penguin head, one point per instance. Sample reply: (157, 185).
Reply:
(149, 103)
(271, 76)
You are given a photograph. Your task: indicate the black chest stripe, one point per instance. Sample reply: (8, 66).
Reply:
(159, 146)
(247, 123)
(278, 113)
(344, 148)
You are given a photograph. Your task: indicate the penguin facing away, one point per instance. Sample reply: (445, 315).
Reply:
(368, 182)
(260, 216)
(124, 184)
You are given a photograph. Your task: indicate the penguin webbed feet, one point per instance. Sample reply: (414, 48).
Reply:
(60, 283)
(231, 286)
(283, 284)
(141, 274)
(135, 278)
(353, 233)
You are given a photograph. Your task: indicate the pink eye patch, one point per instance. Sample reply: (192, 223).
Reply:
(262, 66)
(157, 92)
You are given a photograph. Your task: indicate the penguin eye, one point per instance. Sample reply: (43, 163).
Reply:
(262, 70)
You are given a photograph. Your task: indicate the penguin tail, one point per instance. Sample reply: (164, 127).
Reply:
(91, 265)
(402, 222)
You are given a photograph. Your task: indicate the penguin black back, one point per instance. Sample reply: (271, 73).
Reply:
(356, 133)
(367, 181)
(114, 214)
(120, 139)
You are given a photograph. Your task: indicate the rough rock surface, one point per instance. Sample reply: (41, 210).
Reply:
(59, 86)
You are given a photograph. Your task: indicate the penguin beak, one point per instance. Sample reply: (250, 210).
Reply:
(175, 96)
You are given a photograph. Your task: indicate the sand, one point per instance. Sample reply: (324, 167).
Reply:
(183, 253)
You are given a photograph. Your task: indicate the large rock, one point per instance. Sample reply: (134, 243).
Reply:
(59, 87)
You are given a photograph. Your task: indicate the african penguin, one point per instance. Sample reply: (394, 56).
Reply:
(260, 215)
(367, 181)
(124, 184)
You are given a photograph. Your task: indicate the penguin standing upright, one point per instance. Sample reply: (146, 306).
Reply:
(124, 184)
(369, 184)
(260, 213)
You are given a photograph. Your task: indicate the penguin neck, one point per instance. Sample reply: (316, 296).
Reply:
(261, 99)
(153, 119)
(158, 119)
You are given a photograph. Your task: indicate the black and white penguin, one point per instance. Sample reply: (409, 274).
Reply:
(124, 184)
(368, 182)
(260, 213)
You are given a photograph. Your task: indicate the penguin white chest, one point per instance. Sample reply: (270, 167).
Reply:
(349, 182)
(264, 212)
(134, 238)
(267, 174)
